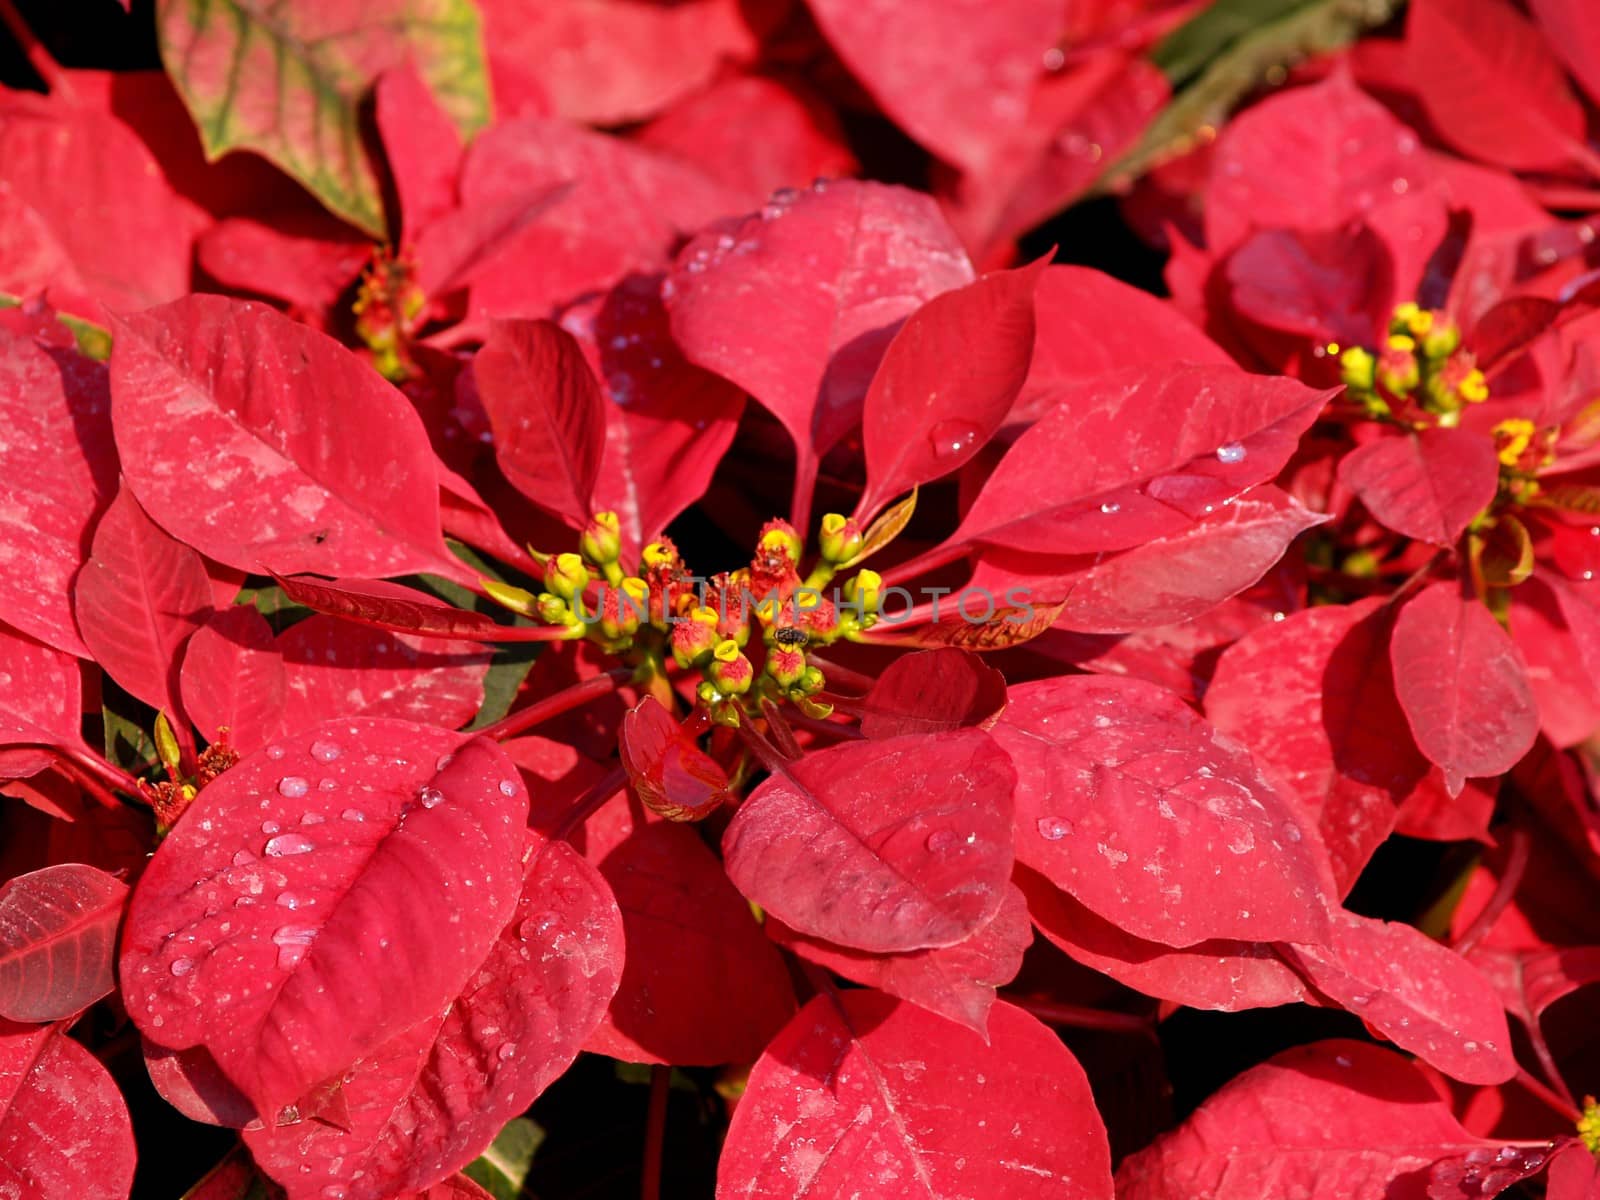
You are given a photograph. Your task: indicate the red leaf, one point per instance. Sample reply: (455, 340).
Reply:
(266, 445)
(1167, 580)
(232, 679)
(845, 264)
(700, 984)
(608, 63)
(379, 604)
(58, 929)
(192, 1083)
(932, 691)
(64, 1129)
(1423, 997)
(666, 769)
(1492, 86)
(884, 846)
(431, 1100)
(40, 704)
(946, 382)
(1563, 687)
(1090, 476)
(1313, 698)
(1462, 685)
(1152, 819)
(57, 470)
(422, 145)
(1328, 1121)
(548, 418)
(138, 599)
(1313, 285)
(1573, 37)
(332, 669)
(957, 982)
(1427, 486)
(1574, 1174)
(954, 104)
(310, 942)
(1220, 974)
(863, 1090)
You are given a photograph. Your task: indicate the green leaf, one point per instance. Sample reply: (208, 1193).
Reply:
(1188, 48)
(502, 1169)
(128, 744)
(286, 79)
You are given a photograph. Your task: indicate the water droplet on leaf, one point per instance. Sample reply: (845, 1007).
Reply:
(324, 751)
(293, 786)
(286, 844)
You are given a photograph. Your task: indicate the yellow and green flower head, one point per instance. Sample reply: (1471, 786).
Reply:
(1419, 369)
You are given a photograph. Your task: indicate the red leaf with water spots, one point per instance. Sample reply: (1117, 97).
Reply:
(1313, 697)
(64, 1129)
(1493, 86)
(138, 599)
(57, 470)
(58, 930)
(1462, 685)
(1327, 1121)
(268, 446)
(931, 691)
(1219, 974)
(701, 985)
(1422, 996)
(1427, 485)
(1090, 477)
(1154, 820)
(429, 1101)
(40, 705)
(667, 770)
(861, 1089)
(846, 264)
(350, 883)
(903, 844)
(946, 382)
(957, 982)
(232, 680)
(546, 412)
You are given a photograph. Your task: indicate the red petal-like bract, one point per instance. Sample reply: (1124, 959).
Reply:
(57, 469)
(667, 770)
(1422, 996)
(1462, 685)
(1126, 458)
(901, 844)
(957, 981)
(383, 605)
(268, 446)
(1573, 37)
(138, 599)
(1329, 1121)
(232, 680)
(931, 691)
(946, 382)
(861, 1091)
(1427, 486)
(1149, 817)
(64, 1129)
(845, 264)
(1313, 697)
(545, 409)
(39, 706)
(1492, 86)
(58, 930)
(323, 896)
(431, 1100)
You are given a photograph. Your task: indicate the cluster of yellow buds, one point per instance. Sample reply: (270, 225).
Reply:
(663, 612)
(1421, 368)
(1589, 1126)
(387, 305)
(1523, 449)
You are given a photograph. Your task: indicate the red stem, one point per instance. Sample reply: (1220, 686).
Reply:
(102, 794)
(928, 560)
(655, 1131)
(92, 764)
(765, 752)
(805, 487)
(1551, 1100)
(782, 735)
(550, 707)
(826, 728)
(1505, 889)
(834, 673)
(586, 804)
(38, 57)
(1081, 1017)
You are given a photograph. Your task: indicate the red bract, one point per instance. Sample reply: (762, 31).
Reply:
(589, 547)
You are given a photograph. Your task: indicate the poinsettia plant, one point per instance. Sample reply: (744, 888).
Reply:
(586, 557)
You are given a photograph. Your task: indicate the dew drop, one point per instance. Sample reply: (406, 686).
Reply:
(1053, 829)
(1341, 1060)
(327, 785)
(950, 439)
(538, 926)
(507, 788)
(1470, 1047)
(443, 761)
(286, 844)
(274, 752)
(181, 966)
(334, 1192)
(289, 900)
(431, 797)
(1232, 452)
(270, 827)
(507, 1050)
(312, 818)
(942, 840)
(1110, 506)
(324, 751)
(293, 786)
(241, 857)
(353, 814)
